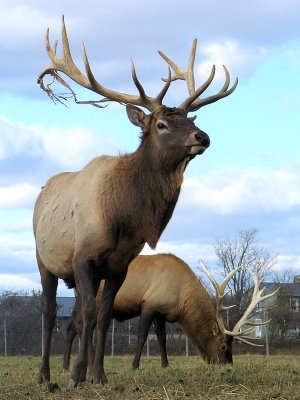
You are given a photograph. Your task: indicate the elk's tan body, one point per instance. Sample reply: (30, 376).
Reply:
(163, 288)
(166, 285)
(90, 224)
(63, 222)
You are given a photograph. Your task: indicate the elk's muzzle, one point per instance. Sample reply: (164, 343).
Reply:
(197, 142)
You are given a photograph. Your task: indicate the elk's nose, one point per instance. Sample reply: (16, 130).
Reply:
(202, 138)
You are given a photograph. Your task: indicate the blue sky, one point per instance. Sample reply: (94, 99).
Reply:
(249, 176)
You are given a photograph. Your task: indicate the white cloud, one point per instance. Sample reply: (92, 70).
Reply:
(286, 261)
(18, 138)
(68, 147)
(18, 249)
(20, 282)
(78, 146)
(189, 252)
(247, 191)
(11, 224)
(22, 195)
(238, 58)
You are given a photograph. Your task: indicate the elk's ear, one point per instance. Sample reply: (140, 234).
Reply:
(192, 118)
(215, 328)
(138, 117)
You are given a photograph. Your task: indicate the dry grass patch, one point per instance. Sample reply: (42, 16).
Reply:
(251, 377)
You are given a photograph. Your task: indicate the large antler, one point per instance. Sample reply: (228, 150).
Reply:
(257, 297)
(193, 102)
(66, 65)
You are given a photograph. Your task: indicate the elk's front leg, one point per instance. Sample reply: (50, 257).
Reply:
(145, 321)
(110, 290)
(49, 284)
(86, 289)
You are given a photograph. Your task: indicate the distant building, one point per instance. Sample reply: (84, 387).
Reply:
(283, 309)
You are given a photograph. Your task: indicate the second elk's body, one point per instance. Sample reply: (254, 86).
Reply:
(162, 288)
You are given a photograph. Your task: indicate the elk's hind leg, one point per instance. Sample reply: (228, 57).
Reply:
(70, 335)
(49, 284)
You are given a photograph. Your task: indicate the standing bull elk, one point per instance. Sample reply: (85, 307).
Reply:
(162, 288)
(90, 224)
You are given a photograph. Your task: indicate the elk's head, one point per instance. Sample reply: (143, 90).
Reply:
(170, 128)
(170, 131)
(219, 349)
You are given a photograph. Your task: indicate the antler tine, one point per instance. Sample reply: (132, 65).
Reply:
(164, 90)
(220, 294)
(190, 71)
(241, 339)
(150, 101)
(137, 82)
(180, 73)
(65, 41)
(63, 64)
(193, 102)
(256, 298)
(66, 65)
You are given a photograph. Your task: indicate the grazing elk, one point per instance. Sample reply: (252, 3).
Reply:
(90, 224)
(162, 288)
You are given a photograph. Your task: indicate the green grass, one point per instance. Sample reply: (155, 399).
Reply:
(251, 377)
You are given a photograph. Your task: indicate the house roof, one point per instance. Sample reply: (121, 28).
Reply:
(291, 289)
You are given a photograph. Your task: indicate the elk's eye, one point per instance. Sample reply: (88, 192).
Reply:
(161, 126)
(223, 347)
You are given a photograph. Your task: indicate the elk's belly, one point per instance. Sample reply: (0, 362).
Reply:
(55, 243)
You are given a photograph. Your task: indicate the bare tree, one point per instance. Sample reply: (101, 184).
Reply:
(20, 322)
(243, 251)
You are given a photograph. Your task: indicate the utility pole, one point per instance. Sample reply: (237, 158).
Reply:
(266, 335)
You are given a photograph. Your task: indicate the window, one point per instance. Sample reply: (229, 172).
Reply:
(294, 303)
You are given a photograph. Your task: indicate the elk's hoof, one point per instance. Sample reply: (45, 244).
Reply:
(53, 387)
(80, 385)
(72, 384)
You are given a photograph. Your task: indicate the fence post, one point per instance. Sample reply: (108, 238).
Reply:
(113, 337)
(5, 337)
(148, 347)
(43, 334)
(186, 346)
(266, 335)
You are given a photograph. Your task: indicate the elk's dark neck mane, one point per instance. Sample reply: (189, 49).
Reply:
(197, 315)
(145, 190)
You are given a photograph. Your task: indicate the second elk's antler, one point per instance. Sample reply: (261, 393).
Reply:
(66, 65)
(257, 297)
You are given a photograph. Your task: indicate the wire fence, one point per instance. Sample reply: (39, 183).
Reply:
(17, 339)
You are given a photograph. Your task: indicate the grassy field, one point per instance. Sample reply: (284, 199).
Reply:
(251, 377)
